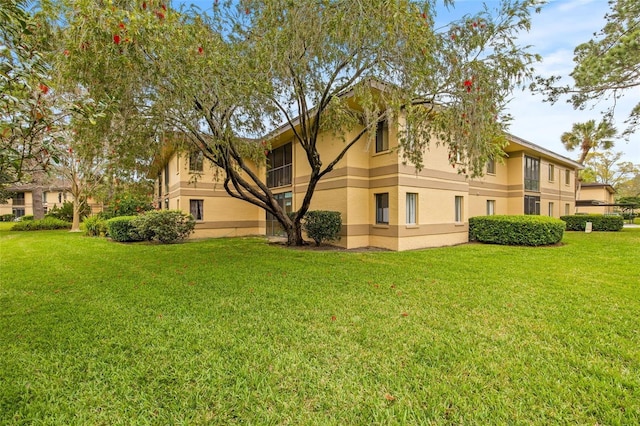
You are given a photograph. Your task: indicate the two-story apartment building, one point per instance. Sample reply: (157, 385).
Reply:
(595, 198)
(54, 194)
(383, 203)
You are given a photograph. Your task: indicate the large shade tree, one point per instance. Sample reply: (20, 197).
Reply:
(607, 67)
(223, 80)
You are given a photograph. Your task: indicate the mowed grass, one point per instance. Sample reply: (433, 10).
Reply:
(239, 331)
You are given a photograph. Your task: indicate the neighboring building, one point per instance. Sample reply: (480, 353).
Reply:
(595, 198)
(53, 195)
(383, 203)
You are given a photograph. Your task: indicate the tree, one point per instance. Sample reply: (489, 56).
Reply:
(606, 167)
(589, 136)
(223, 80)
(607, 66)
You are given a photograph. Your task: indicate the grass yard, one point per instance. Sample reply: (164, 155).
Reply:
(238, 331)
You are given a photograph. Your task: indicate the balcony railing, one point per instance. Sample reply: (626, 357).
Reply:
(18, 202)
(279, 176)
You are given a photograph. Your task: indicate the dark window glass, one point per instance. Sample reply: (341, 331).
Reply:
(382, 208)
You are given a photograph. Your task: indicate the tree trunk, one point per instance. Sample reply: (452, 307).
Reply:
(75, 226)
(294, 234)
(38, 208)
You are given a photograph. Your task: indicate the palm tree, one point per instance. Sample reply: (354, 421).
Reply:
(588, 136)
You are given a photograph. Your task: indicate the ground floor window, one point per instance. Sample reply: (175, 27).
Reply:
(458, 209)
(491, 207)
(567, 209)
(551, 208)
(382, 208)
(412, 208)
(285, 201)
(18, 212)
(531, 204)
(196, 208)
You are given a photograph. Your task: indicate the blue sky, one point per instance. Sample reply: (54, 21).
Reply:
(555, 32)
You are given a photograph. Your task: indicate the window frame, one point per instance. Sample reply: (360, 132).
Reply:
(529, 201)
(382, 136)
(491, 207)
(552, 173)
(196, 161)
(199, 209)
(382, 210)
(491, 166)
(551, 209)
(459, 209)
(531, 174)
(411, 208)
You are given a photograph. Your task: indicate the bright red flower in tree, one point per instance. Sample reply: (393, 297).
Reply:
(144, 5)
(121, 25)
(200, 50)
(116, 39)
(468, 84)
(44, 88)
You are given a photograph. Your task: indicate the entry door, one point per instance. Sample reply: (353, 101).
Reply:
(285, 200)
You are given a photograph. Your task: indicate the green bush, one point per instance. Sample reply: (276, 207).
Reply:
(127, 205)
(7, 217)
(47, 223)
(27, 217)
(95, 226)
(121, 229)
(599, 222)
(66, 211)
(165, 226)
(322, 225)
(516, 230)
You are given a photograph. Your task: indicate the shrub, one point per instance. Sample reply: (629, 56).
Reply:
(27, 217)
(165, 226)
(95, 226)
(66, 211)
(127, 205)
(47, 223)
(322, 225)
(516, 230)
(7, 217)
(599, 222)
(121, 229)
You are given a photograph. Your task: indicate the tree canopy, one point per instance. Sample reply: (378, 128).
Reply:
(222, 81)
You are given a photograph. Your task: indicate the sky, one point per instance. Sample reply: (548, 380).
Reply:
(555, 32)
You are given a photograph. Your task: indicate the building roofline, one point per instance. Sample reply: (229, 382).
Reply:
(545, 151)
(606, 186)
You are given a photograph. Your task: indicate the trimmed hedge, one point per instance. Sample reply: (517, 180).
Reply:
(165, 226)
(522, 230)
(45, 224)
(322, 225)
(121, 229)
(599, 222)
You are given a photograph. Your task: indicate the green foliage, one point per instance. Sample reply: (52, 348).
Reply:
(47, 223)
(589, 136)
(26, 217)
(523, 230)
(322, 225)
(66, 211)
(165, 226)
(95, 226)
(7, 217)
(121, 229)
(128, 204)
(599, 222)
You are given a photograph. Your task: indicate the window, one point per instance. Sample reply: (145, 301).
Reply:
(196, 161)
(567, 209)
(531, 174)
(412, 208)
(279, 166)
(160, 184)
(196, 209)
(567, 177)
(491, 207)
(458, 207)
(382, 136)
(166, 179)
(552, 173)
(17, 212)
(551, 209)
(18, 200)
(44, 196)
(531, 204)
(166, 203)
(491, 167)
(382, 208)
(60, 197)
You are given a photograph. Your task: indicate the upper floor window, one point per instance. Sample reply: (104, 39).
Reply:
(531, 174)
(279, 166)
(567, 177)
(166, 178)
(491, 166)
(196, 161)
(382, 136)
(552, 173)
(18, 199)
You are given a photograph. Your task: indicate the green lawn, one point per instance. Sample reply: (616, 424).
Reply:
(238, 331)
